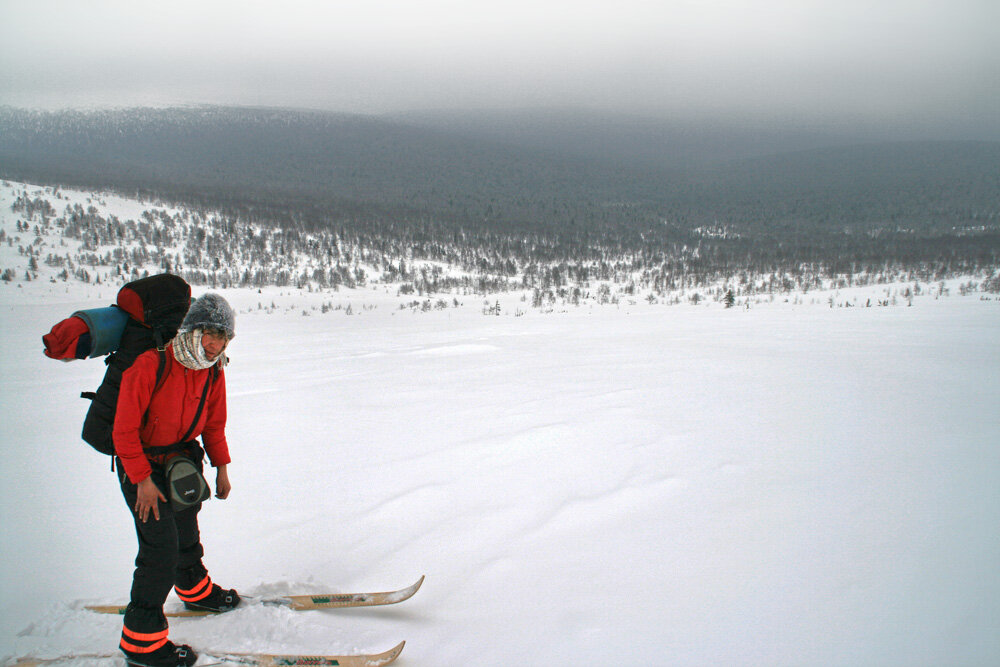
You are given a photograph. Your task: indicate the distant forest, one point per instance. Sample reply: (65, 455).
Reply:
(510, 203)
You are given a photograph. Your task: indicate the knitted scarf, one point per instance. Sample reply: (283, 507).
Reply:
(189, 352)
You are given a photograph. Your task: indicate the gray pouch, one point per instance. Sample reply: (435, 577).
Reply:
(185, 484)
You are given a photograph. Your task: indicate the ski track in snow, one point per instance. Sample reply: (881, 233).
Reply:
(454, 350)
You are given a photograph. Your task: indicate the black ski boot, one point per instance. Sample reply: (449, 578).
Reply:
(195, 588)
(144, 640)
(218, 600)
(168, 655)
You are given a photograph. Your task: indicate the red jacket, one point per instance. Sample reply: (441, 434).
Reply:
(170, 414)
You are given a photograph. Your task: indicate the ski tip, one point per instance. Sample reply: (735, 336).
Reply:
(388, 656)
(404, 593)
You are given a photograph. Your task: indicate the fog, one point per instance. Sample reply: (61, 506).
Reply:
(930, 63)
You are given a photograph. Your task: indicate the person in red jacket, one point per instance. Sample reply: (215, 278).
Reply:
(150, 424)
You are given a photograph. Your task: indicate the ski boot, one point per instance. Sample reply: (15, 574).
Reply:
(217, 600)
(144, 640)
(200, 594)
(168, 655)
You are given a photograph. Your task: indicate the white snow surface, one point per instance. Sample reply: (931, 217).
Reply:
(791, 484)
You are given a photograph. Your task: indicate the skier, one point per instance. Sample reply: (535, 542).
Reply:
(148, 428)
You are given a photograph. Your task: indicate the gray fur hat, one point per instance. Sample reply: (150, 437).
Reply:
(210, 311)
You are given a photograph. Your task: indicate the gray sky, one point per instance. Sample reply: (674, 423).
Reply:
(916, 60)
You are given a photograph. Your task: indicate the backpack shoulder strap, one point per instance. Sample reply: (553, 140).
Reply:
(161, 367)
(161, 371)
(201, 404)
(181, 444)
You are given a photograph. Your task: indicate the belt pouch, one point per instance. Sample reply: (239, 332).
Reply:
(185, 484)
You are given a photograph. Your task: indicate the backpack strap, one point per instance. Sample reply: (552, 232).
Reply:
(158, 340)
(161, 369)
(201, 404)
(182, 443)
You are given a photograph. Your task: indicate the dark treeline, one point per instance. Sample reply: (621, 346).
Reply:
(395, 190)
(222, 251)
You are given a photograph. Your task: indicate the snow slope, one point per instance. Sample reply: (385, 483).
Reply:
(787, 485)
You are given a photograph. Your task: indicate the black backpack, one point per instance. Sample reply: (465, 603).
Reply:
(155, 306)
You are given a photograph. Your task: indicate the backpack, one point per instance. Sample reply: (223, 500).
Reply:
(146, 316)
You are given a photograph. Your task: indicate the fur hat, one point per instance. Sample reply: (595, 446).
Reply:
(210, 311)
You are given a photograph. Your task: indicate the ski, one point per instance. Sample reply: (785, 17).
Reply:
(252, 659)
(278, 660)
(336, 600)
(296, 602)
(115, 659)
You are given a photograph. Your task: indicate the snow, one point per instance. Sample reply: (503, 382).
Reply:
(791, 484)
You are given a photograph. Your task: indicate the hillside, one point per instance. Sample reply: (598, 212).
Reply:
(323, 166)
(59, 235)
(675, 142)
(620, 184)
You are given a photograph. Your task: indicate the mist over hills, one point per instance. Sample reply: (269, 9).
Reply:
(681, 142)
(323, 166)
(564, 176)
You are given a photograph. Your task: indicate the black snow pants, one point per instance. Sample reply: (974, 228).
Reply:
(170, 554)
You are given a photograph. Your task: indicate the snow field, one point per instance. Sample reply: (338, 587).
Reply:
(792, 484)
(783, 486)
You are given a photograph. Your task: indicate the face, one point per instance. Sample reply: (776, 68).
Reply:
(213, 342)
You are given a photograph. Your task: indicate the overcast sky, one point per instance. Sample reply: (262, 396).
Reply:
(923, 60)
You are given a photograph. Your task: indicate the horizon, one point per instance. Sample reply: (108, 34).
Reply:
(828, 133)
(930, 66)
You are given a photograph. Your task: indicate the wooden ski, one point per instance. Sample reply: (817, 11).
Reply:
(296, 602)
(221, 658)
